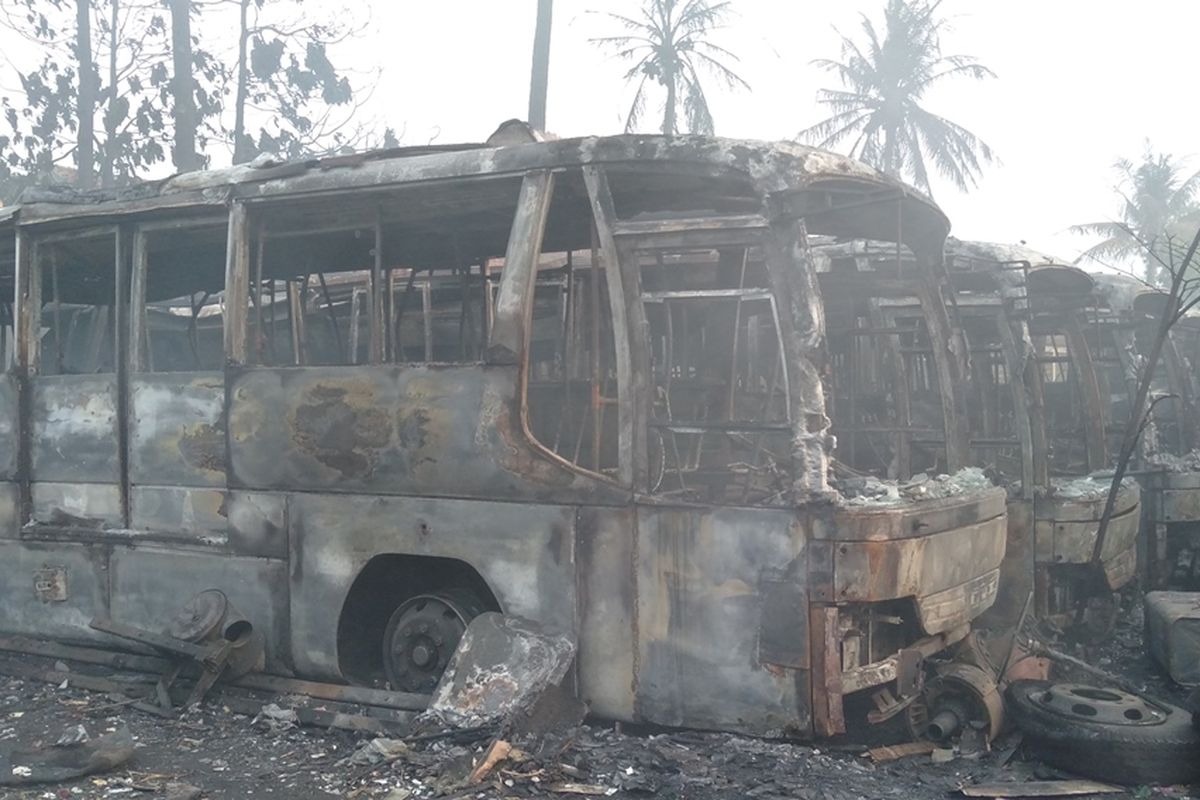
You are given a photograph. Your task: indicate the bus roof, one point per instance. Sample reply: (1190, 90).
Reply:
(836, 195)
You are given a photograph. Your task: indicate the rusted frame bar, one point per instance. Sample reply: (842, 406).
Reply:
(1022, 413)
(1089, 386)
(949, 351)
(123, 256)
(427, 317)
(514, 300)
(297, 290)
(27, 305)
(903, 391)
(828, 715)
(237, 284)
(378, 337)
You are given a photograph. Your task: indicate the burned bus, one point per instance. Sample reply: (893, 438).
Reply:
(1038, 420)
(579, 381)
(1122, 324)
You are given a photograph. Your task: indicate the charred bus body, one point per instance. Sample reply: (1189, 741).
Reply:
(1122, 324)
(630, 446)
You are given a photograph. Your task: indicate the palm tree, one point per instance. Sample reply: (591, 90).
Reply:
(1158, 205)
(884, 81)
(670, 44)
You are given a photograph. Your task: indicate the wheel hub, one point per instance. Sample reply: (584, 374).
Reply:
(422, 635)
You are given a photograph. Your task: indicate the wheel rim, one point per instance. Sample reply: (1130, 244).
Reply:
(422, 635)
(1097, 705)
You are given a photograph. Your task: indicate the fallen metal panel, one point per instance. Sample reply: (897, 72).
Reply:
(1173, 634)
(177, 429)
(75, 428)
(702, 575)
(524, 552)
(149, 584)
(77, 505)
(8, 425)
(81, 569)
(421, 430)
(606, 540)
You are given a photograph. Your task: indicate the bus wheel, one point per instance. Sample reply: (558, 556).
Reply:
(423, 633)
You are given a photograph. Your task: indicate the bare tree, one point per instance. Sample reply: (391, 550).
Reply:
(1181, 296)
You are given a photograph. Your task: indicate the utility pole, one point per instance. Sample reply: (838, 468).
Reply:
(540, 79)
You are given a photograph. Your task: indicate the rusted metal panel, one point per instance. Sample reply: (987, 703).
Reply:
(1173, 634)
(827, 713)
(393, 430)
(917, 518)
(150, 583)
(917, 566)
(1180, 505)
(700, 576)
(75, 429)
(84, 582)
(606, 542)
(1074, 526)
(243, 523)
(76, 505)
(524, 552)
(177, 429)
(10, 510)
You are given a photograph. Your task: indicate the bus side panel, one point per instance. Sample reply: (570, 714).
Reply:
(76, 466)
(524, 552)
(8, 426)
(150, 585)
(708, 583)
(606, 549)
(53, 590)
(395, 430)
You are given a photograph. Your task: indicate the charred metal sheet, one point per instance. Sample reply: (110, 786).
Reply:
(699, 575)
(8, 425)
(1071, 532)
(1017, 569)
(177, 429)
(244, 523)
(1121, 568)
(606, 539)
(26, 588)
(147, 583)
(10, 511)
(77, 505)
(392, 430)
(524, 552)
(958, 605)
(1173, 634)
(783, 632)
(501, 667)
(75, 428)
(917, 566)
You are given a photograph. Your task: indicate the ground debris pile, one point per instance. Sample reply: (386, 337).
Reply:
(865, 490)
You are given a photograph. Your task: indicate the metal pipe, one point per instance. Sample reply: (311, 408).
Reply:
(944, 725)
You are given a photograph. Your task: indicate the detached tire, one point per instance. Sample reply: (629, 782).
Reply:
(1106, 734)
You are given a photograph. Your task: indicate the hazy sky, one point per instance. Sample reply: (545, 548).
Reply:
(1079, 83)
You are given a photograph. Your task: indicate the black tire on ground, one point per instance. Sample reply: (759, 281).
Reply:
(1164, 749)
